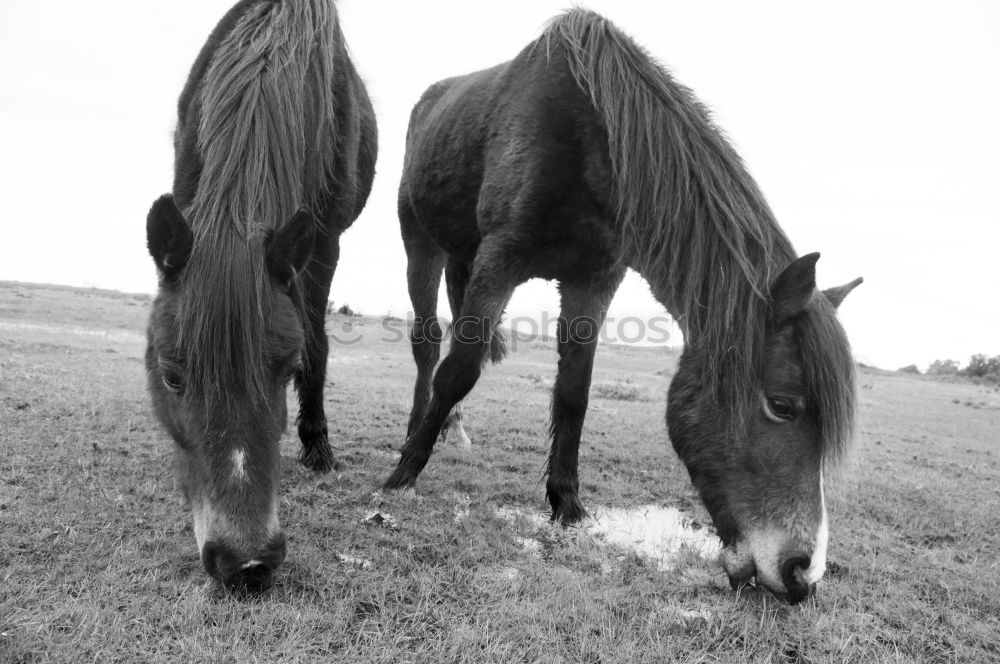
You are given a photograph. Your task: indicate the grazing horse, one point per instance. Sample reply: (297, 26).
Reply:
(574, 161)
(275, 155)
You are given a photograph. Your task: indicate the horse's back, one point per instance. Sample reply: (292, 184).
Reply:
(443, 166)
(516, 151)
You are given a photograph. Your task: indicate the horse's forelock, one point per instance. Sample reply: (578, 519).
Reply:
(222, 317)
(828, 373)
(266, 140)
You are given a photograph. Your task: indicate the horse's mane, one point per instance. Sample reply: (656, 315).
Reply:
(690, 217)
(265, 140)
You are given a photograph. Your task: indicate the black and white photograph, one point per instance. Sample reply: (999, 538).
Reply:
(542, 331)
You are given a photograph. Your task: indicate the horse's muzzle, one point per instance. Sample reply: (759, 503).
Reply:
(742, 572)
(242, 574)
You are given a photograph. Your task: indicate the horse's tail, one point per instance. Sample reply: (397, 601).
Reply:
(456, 278)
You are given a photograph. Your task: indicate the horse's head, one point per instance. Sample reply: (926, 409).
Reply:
(217, 374)
(761, 477)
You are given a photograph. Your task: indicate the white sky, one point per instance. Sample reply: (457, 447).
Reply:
(871, 127)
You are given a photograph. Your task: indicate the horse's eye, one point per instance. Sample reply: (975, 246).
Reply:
(170, 372)
(173, 382)
(779, 409)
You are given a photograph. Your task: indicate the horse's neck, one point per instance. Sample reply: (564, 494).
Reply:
(676, 311)
(681, 309)
(661, 292)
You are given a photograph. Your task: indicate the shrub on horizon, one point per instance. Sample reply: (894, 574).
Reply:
(943, 368)
(981, 366)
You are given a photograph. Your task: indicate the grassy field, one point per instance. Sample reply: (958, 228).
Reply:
(98, 561)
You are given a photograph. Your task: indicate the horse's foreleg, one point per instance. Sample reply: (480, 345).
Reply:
(489, 289)
(316, 453)
(425, 262)
(583, 310)
(457, 278)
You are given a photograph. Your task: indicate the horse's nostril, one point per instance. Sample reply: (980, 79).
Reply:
(793, 576)
(252, 577)
(212, 557)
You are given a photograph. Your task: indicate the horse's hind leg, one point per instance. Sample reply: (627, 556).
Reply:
(456, 276)
(424, 264)
(316, 453)
(454, 430)
(494, 276)
(584, 305)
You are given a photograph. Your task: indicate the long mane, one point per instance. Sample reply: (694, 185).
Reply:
(265, 140)
(690, 217)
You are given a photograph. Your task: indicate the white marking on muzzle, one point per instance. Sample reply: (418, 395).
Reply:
(273, 526)
(210, 524)
(765, 549)
(239, 464)
(203, 515)
(817, 564)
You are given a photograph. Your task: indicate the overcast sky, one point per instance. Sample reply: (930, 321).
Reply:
(871, 127)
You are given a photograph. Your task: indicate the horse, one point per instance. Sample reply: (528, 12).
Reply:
(275, 152)
(574, 161)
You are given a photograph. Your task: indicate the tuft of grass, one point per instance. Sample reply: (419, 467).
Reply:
(618, 391)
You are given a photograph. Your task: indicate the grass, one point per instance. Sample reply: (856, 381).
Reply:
(98, 562)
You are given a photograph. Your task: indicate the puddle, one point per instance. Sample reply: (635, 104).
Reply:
(658, 533)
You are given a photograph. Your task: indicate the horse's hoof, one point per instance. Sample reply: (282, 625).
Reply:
(319, 458)
(569, 512)
(397, 484)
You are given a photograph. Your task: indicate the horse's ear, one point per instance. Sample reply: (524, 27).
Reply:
(794, 287)
(168, 237)
(837, 294)
(288, 249)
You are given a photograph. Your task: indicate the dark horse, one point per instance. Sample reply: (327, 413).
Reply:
(275, 154)
(579, 158)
